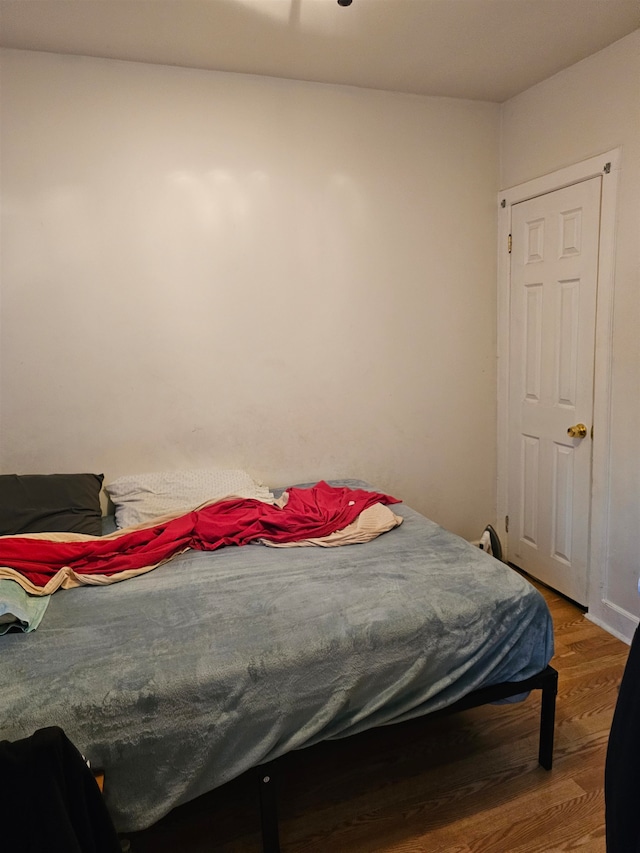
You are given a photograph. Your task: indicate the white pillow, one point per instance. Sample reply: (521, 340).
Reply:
(142, 497)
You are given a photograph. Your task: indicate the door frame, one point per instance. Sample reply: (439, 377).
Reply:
(606, 165)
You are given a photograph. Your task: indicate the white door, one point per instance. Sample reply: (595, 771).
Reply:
(554, 265)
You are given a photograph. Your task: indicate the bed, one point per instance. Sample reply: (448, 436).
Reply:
(183, 678)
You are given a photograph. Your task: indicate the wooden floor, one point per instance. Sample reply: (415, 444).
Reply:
(468, 783)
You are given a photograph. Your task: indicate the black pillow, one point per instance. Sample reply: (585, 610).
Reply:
(46, 503)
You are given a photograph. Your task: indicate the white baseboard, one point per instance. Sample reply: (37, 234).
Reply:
(614, 619)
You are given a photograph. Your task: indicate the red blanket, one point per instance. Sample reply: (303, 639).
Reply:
(45, 562)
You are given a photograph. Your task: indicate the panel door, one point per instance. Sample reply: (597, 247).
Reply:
(554, 264)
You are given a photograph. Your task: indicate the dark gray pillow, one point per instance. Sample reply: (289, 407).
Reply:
(46, 503)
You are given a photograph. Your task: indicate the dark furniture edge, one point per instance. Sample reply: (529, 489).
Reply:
(546, 681)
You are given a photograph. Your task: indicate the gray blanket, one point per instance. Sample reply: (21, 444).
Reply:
(179, 680)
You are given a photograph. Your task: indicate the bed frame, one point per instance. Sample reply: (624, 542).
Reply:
(545, 681)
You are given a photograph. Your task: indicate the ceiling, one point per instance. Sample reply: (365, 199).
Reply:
(479, 49)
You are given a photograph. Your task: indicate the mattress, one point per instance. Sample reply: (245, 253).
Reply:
(179, 680)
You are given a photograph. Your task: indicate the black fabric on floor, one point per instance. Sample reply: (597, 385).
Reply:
(49, 800)
(622, 769)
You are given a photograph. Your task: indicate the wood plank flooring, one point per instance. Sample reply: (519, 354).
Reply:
(468, 783)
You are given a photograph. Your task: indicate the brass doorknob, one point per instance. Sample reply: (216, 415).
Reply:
(577, 431)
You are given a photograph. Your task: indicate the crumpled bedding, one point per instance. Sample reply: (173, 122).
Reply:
(183, 678)
(45, 562)
(20, 611)
(371, 522)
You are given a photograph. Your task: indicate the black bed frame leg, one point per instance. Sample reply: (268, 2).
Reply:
(547, 717)
(268, 809)
(546, 682)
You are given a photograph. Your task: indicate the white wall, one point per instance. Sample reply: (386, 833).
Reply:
(590, 108)
(204, 268)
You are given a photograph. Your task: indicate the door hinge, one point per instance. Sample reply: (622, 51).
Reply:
(506, 524)
(607, 168)
(509, 243)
